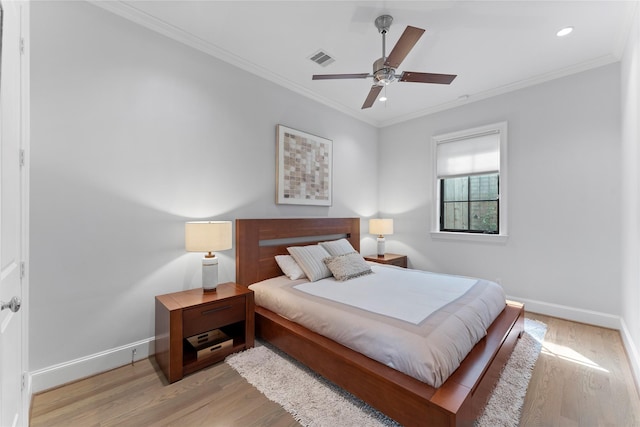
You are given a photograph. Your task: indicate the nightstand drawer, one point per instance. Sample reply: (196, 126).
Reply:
(210, 316)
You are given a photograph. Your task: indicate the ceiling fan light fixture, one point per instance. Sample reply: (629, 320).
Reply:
(385, 80)
(382, 74)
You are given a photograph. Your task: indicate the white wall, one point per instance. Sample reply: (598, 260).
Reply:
(564, 240)
(630, 212)
(132, 135)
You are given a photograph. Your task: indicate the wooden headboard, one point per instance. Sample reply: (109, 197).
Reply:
(258, 241)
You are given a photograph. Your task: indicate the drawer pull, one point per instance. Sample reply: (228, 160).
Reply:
(216, 347)
(214, 310)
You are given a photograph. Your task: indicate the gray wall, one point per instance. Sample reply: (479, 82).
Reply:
(564, 192)
(132, 135)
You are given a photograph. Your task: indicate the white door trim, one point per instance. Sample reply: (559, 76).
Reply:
(25, 97)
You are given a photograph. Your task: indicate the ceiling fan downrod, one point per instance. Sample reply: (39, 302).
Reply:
(381, 72)
(383, 22)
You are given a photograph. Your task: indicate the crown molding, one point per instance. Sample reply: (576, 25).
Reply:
(521, 84)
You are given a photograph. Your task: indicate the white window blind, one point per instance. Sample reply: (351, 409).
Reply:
(478, 154)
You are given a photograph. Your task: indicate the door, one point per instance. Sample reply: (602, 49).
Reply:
(11, 224)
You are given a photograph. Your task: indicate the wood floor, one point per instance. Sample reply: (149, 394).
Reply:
(582, 378)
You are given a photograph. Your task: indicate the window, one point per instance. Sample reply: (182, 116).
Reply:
(470, 190)
(470, 204)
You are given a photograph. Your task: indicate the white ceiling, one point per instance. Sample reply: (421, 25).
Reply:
(493, 46)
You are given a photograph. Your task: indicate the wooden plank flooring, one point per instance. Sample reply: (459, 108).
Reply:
(582, 378)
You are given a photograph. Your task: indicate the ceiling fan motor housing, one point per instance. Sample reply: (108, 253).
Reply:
(382, 73)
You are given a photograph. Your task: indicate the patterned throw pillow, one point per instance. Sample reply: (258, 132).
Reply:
(348, 266)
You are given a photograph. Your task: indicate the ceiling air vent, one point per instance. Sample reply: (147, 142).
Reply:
(322, 58)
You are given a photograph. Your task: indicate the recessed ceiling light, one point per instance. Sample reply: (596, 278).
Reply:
(564, 32)
(382, 98)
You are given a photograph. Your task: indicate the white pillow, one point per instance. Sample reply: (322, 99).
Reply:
(290, 267)
(337, 247)
(309, 258)
(348, 266)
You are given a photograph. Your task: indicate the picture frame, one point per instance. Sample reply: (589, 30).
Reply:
(304, 168)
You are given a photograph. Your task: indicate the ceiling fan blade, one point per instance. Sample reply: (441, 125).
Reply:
(408, 39)
(339, 76)
(411, 76)
(371, 98)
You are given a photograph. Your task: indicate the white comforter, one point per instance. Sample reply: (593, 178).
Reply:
(420, 323)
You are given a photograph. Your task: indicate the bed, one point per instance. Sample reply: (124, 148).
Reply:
(458, 401)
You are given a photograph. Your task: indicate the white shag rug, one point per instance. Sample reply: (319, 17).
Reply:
(315, 402)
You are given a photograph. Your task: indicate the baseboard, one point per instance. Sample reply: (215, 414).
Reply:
(590, 317)
(632, 354)
(63, 373)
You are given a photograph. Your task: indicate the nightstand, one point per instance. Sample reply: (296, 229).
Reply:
(391, 259)
(181, 315)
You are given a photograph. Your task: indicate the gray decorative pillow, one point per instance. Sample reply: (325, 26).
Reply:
(348, 266)
(309, 258)
(290, 267)
(337, 247)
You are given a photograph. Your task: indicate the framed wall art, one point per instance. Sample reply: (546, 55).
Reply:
(303, 168)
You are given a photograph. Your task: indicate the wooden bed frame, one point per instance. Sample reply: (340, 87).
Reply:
(459, 401)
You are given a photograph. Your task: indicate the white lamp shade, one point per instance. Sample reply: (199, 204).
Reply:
(207, 236)
(380, 226)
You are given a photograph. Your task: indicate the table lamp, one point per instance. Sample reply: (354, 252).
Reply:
(208, 236)
(381, 227)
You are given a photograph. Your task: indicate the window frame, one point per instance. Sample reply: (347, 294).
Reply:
(502, 235)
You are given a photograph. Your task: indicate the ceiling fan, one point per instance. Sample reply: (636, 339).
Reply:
(384, 69)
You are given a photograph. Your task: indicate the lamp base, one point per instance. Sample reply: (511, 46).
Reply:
(381, 245)
(209, 274)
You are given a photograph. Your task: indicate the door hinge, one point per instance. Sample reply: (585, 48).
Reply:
(24, 380)
(22, 45)
(21, 157)
(23, 269)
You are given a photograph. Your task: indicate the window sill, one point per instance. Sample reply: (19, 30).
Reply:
(470, 237)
